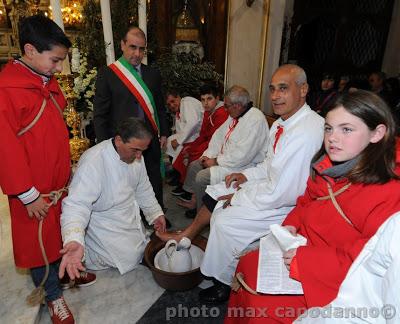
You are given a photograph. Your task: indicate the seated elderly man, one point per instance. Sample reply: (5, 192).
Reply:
(268, 191)
(101, 214)
(241, 142)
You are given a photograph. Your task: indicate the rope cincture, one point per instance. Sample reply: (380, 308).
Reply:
(38, 294)
(238, 280)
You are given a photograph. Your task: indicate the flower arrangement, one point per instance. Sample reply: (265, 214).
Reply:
(84, 84)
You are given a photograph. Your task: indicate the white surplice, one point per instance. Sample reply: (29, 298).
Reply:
(267, 197)
(370, 291)
(187, 126)
(102, 212)
(244, 147)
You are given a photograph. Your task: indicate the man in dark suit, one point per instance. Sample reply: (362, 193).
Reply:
(128, 88)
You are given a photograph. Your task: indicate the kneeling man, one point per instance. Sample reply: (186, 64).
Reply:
(101, 215)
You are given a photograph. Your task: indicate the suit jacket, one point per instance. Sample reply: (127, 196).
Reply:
(113, 103)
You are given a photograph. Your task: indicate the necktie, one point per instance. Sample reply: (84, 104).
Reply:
(278, 135)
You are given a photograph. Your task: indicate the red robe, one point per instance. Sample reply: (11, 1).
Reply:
(38, 158)
(211, 122)
(332, 246)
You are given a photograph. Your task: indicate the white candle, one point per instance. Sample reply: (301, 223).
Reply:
(142, 20)
(107, 30)
(57, 17)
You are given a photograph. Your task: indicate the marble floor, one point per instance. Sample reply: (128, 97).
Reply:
(112, 299)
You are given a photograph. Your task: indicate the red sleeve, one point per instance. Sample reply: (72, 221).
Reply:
(220, 116)
(15, 175)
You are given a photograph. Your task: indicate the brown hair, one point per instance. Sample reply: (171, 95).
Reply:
(377, 161)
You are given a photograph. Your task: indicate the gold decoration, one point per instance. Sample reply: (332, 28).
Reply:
(186, 29)
(72, 13)
(77, 144)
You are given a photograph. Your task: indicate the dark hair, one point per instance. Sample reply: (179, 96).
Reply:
(42, 32)
(172, 92)
(377, 161)
(133, 127)
(208, 89)
(137, 30)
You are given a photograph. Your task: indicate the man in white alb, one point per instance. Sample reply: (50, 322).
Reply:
(101, 214)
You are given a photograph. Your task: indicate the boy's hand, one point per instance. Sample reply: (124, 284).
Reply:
(38, 208)
(71, 260)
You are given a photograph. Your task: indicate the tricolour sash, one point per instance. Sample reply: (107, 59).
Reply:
(135, 84)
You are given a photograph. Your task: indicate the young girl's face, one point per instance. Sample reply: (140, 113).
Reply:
(346, 135)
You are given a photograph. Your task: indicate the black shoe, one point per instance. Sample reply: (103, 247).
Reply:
(219, 293)
(178, 191)
(191, 213)
(186, 196)
(173, 182)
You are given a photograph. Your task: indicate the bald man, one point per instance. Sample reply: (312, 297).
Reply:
(268, 191)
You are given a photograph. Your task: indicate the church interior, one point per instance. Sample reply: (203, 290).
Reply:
(226, 42)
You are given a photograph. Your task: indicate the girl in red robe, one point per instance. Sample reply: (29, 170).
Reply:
(357, 163)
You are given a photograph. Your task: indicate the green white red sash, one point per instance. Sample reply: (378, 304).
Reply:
(133, 81)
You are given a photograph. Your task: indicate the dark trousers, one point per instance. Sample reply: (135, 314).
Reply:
(52, 284)
(152, 158)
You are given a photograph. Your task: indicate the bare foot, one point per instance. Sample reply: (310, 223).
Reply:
(188, 205)
(166, 236)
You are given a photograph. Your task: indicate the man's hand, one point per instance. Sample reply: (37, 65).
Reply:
(159, 224)
(163, 142)
(238, 178)
(38, 208)
(227, 199)
(71, 260)
(207, 162)
(288, 257)
(174, 144)
(291, 229)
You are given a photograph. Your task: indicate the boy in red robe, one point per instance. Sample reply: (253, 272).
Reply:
(34, 150)
(214, 116)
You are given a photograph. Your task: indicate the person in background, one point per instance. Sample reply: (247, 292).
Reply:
(129, 88)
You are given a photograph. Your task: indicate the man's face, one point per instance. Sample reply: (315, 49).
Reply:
(47, 62)
(327, 84)
(209, 101)
(173, 103)
(134, 48)
(131, 150)
(286, 95)
(375, 82)
(234, 109)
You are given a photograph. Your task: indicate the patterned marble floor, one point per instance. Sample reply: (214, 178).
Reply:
(113, 299)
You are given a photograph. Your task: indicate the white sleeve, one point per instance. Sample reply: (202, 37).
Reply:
(285, 176)
(242, 150)
(217, 140)
(192, 117)
(145, 196)
(83, 192)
